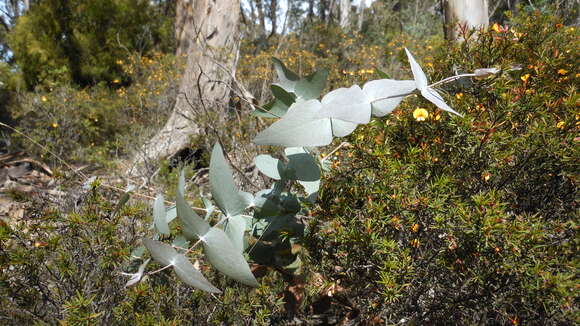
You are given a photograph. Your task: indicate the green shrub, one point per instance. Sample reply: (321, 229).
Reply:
(99, 123)
(466, 220)
(65, 268)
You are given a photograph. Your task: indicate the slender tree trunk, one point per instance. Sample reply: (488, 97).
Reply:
(322, 6)
(261, 18)
(310, 9)
(344, 14)
(274, 16)
(461, 14)
(361, 12)
(209, 39)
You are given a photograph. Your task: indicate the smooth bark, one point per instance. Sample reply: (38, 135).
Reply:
(464, 14)
(208, 37)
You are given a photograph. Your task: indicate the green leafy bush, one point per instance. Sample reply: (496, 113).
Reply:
(435, 219)
(97, 123)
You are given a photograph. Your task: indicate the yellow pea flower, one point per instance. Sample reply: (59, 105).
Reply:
(420, 114)
(525, 78)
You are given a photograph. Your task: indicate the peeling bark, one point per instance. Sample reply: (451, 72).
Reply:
(207, 34)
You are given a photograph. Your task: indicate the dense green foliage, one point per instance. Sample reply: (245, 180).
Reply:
(448, 220)
(82, 41)
(471, 220)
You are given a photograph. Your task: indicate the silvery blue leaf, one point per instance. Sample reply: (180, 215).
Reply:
(136, 277)
(347, 104)
(484, 72)
(190, 275)
(311, 189)
(165, 255)
(171, 214)
(434, 97)
(192, 225)
(299, 127)
(226, 258)
(342, 128)
(235, 229)
(160, 215)
(161, 252)
(287, 79)
(418, 74)
(310, 87)
(302, 166)
(209, 207)
(390, 92)
(268, 165)
(223, 189)
(248, 198)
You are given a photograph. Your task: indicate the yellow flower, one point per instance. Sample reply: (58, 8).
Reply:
(116, 81)
(562, 71)
(496, 28)
(525, 78)
(420, 114)
(459, 96)
(560, 125)
(415, 243)
(43, 99)
(486, 176)
(415, 227)
(54, 125)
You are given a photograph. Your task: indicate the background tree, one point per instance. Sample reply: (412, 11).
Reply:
(465, 13)
(83, 40)
(211, 58)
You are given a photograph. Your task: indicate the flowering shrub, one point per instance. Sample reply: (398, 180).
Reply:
(104, 121)
(433, 219)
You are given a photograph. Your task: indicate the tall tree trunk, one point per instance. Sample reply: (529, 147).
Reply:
(273, 13)
(322, 6)
(209, 38)
(261, 18)
(361, 12)
(464, 14)
(344, 8)
(310, 9)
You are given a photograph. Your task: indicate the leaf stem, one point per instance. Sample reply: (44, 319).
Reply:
(450, 79)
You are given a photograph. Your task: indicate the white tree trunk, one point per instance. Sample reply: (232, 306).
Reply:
(207, 33)
(464, 14)
(344, 9)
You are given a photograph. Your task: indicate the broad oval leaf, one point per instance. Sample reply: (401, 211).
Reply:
(192, 225)
(299, 127)
(342, 128)
(418, 74)
(160, 215)
(268, 165)
(303, 167)
(310, 87)
(226, 258)
(386, 94)
(434, 97)
(223, 189)
(347, 104)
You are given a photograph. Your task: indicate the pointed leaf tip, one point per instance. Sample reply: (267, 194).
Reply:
(418, 74)
(226, 258)
(223, 189)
